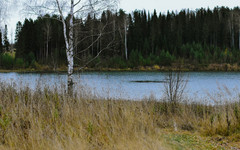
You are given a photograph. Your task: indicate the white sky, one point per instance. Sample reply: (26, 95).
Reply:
(131, 5)
(164, 5)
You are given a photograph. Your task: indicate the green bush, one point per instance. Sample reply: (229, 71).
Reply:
(19, 63)
(30, 58)
(136, 59)
(198, 55)
(117, 62)
(7, 61)
(33, 64)
(165, 58)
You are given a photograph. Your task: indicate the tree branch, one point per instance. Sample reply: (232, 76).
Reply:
(96, 56)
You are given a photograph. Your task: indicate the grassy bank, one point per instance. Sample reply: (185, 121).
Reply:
(174, 67)
(49, 119)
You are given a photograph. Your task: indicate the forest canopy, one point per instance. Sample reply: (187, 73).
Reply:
(203, 36)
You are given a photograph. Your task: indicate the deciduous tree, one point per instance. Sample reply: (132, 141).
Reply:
(68, 10)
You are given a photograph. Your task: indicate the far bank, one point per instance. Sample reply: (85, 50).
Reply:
(224, 67)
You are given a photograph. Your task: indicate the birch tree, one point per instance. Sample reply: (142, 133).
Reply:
(68, 10)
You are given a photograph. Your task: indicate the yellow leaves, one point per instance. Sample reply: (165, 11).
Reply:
(226, 52)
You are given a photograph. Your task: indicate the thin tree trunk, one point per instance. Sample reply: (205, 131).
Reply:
(233, 42)
(92, 40)
(126, 50)
(47, 46)
(232, 32)
(114, 33)
(239, 38)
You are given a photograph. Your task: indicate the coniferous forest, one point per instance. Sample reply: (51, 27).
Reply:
(120, 40)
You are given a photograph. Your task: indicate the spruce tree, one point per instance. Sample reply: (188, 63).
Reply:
(1, 45)
(18, 29)
(5, 39)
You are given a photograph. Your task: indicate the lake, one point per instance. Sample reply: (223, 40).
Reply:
(131, 85)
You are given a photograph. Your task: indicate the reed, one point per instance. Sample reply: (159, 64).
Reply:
(49, 119)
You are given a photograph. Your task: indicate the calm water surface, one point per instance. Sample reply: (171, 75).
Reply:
(121, 84)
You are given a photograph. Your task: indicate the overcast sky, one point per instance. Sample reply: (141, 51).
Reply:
(131, 5)
(164, 5)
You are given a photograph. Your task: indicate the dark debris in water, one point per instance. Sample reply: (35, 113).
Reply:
(148, 81)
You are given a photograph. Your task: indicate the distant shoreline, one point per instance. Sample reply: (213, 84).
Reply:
(185, 68)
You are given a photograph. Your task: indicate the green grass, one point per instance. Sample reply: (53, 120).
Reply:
(189, 141)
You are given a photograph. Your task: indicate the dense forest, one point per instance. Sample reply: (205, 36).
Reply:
(120, 40)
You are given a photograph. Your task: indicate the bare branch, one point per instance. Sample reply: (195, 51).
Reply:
(86, 37)
(79, 1)
(57, 19)
(107, 47)
(64, 25)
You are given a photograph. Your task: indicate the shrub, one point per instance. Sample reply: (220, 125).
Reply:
(30, 58)
(7, 61)
(165, 58)
(117, 62)
(136, 59)
(19, 63)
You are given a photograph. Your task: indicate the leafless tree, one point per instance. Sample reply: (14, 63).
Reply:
(69, 9)
(174, 87)
(231, 28)
(125, 33)
(47, 32)
(234, 23)
(236, 18)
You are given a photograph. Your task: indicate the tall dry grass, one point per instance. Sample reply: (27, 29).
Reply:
(49, 119)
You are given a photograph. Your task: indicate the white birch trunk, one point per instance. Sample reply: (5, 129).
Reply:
(70, 51)
(69, 44)
(68, 36)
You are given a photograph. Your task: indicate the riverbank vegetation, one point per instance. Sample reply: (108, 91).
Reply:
(198, 40)
(9, 63)
(47, 118)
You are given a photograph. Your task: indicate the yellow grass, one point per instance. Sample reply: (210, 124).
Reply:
(50, 120)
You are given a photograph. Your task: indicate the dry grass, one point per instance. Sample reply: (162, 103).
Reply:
(51, 120)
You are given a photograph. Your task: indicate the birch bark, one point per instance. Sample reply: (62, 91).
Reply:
(69, 44)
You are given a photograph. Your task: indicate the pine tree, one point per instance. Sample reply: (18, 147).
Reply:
(18, 30)
(1, 45)
(5, 39)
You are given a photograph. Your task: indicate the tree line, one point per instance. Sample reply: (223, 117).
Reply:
(141, 38)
